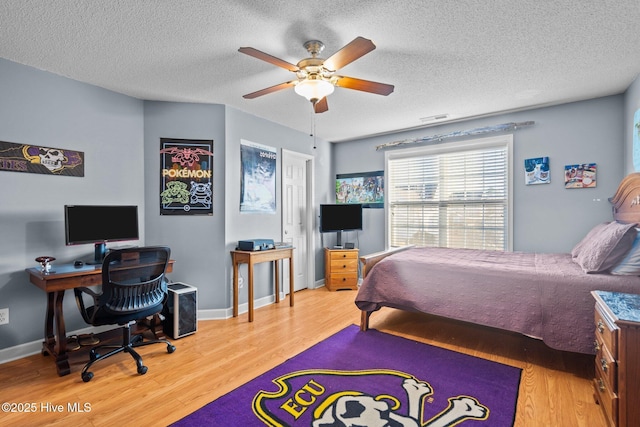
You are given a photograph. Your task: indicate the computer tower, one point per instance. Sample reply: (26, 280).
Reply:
(180, 310)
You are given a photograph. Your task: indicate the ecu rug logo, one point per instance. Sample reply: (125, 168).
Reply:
(378, 397)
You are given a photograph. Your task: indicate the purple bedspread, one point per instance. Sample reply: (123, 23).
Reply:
(546, 296)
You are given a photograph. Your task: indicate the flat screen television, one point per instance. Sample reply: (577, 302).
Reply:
(340, 217)
(84, 224)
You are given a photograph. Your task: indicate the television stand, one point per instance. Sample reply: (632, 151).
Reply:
(341, 269)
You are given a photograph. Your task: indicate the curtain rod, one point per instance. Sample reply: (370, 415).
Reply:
(505, 127)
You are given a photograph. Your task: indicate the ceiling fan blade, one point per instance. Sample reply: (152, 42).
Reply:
(352, 51)
(364, 85)
(270, 90)
(321, 106)
(268, 58)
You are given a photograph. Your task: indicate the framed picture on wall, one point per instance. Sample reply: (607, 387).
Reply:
(186, 177)
(536, 171)
(365, 188)
(580, 176)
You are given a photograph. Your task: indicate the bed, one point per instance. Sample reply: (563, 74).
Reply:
(541, 295)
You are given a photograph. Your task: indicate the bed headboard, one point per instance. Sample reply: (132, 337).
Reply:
(626, 202)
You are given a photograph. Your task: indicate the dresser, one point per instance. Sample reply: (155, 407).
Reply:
(617, 343)
(340, 269)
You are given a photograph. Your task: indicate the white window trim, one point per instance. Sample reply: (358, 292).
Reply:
(502, 140)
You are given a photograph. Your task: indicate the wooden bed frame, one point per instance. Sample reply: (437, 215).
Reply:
(625, 209)
(368, 261)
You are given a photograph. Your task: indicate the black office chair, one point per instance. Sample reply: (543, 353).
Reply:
(133, 288)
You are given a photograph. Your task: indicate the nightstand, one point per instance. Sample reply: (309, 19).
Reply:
(617, 373)
(341, 269)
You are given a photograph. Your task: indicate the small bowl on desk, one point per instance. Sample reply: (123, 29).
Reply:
(45, 263)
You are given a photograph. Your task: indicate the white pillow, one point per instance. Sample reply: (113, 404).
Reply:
(630, 264)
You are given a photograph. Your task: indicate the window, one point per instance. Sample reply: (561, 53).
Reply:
(453, 195)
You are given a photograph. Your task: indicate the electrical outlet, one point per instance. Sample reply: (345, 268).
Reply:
(4, 316)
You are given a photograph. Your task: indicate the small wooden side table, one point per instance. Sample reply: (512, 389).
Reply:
(254, 257)
(341, 269)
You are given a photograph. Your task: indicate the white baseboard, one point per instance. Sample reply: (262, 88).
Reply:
(27, 349)
(34, 347)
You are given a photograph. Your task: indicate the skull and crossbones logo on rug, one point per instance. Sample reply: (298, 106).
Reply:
(319, 403)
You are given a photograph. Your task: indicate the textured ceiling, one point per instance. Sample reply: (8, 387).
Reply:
(463, 58)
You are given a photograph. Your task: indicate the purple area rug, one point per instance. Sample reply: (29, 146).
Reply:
(371, 378)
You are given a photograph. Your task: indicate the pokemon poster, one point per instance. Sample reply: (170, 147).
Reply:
(186, 182)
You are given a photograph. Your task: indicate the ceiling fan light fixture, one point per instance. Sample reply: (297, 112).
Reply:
(314, 89)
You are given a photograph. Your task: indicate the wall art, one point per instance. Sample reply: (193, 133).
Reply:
(38, 159)
(580, 176)
(258, 178)
(186, 177)
(536, 171)
(366, 188)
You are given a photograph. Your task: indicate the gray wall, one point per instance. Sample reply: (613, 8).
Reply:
(196, 242)
(120, 137)
(242, 126)
(547, 218)
(43, 109)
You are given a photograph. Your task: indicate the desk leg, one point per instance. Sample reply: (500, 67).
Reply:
(276, 280)
(250, 268)
(56, 341)
(235, 287)
(291, 287)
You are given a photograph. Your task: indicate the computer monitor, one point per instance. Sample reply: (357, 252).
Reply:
(96, 224)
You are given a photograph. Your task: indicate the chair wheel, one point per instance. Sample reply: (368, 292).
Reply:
(93, 356)
(171, 348)
(142, 370)
(86, 376)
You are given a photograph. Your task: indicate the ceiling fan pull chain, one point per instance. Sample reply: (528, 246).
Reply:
(313, 126)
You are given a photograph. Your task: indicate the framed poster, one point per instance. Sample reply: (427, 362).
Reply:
(366, 188)
(186, 177)
(580, 176)
(258, 178)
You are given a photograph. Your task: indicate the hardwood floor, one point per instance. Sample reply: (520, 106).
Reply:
(555, 388)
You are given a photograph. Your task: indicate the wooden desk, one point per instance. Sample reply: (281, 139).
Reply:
(58, 280)
(255, 257)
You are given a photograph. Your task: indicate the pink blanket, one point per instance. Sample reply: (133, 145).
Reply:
(546, 296)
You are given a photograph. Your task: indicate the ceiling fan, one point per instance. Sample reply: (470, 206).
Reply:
(316, 77)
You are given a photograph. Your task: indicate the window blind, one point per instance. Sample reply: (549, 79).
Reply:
(456, 197)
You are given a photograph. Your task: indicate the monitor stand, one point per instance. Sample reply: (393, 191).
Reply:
(100, 251)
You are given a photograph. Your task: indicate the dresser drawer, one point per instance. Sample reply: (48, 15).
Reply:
(336, 255)
(607, 399)
(344, 265)
(606, 332)
(606, 366)
(338, 280)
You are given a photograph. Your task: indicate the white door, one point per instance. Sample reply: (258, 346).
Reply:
(296, 216)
